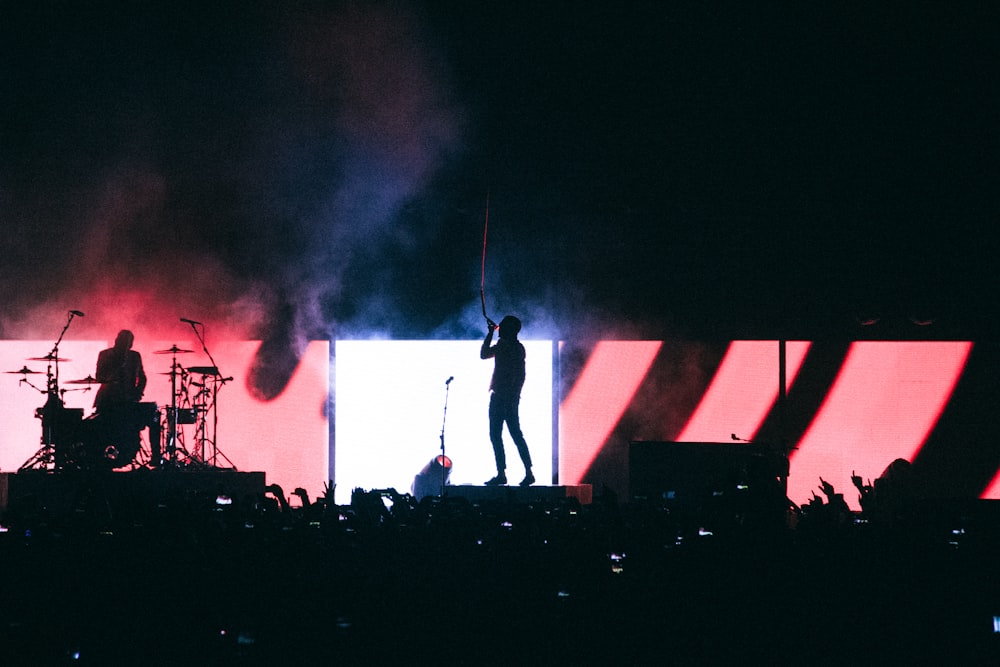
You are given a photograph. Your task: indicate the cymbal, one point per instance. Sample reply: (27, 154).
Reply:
(173, 350)
(26, 371)
(47, 357)
(86, 380)
(204, 370)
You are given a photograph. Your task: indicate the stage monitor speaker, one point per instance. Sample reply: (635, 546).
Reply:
(691, 475)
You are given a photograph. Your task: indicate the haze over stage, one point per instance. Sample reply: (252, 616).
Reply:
(320, 172)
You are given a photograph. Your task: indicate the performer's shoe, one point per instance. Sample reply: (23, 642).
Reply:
(528, 480)
(499, 480)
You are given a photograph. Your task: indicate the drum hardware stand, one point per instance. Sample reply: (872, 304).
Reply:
(53, 407)
(205, 409)
(212, 383)
(200, 406)
(169, 455)
(174, 436)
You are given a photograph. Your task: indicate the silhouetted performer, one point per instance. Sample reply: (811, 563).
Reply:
(508, 378)
(119, 370)
(123, 381)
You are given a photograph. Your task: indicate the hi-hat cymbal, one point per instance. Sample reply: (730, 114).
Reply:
(86, 380)
(25, 371)
(47, 357)
(173, 350)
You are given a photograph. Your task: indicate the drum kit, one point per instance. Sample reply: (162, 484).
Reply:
(194, 391)
(111, 439)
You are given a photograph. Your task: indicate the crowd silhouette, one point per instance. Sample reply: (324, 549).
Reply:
(215, 577)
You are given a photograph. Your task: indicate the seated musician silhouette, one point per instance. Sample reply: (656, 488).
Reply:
(119, 417)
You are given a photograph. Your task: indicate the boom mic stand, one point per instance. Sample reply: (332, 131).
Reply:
(52, 412)
(212, 382)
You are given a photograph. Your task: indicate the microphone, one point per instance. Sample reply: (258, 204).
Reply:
(76, 312)
(191, 322)
(448, 381)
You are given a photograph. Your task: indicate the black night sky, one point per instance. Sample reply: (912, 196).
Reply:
(321, 169)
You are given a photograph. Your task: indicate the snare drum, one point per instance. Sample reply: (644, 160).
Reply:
(111, 437)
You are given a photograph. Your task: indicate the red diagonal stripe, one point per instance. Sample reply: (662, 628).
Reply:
(597, 401)
(743, 391)
(883, 405)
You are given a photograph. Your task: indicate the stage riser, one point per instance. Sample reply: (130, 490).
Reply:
(516, 494)
(58, 492)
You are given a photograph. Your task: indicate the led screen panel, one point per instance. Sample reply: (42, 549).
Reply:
(883, 405)
(850, 407)
(286, 436)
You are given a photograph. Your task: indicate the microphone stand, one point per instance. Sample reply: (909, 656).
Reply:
(444, 459)
(53, 383)
(51, 412)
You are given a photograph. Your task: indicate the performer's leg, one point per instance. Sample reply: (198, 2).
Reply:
(514, 427)
(496, 439)
(496, 433)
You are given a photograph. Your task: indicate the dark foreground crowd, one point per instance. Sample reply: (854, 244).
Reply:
(209, 579)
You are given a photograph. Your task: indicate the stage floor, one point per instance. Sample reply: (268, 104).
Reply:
(518, 494)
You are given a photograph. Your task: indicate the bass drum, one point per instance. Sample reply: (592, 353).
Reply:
(106, 443)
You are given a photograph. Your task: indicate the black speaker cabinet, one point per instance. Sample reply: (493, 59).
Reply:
(696, 474)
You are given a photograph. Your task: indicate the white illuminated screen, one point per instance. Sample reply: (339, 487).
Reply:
(391, 400)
